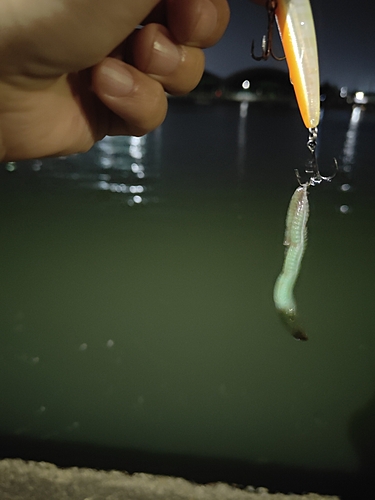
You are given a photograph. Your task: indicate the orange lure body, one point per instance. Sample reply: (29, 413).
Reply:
(296, 27)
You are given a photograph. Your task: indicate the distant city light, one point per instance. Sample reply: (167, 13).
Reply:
(11, 166)
(360, 98)
(344, 92)
(344, 209)
(136, 189)
(345, 187)
(136, 141)
(36, 166)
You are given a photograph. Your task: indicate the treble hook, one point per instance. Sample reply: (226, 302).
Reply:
(312, 164)
(267, 39)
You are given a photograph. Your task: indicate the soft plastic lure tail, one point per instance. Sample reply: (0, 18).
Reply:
(295, 241)
(296, 26)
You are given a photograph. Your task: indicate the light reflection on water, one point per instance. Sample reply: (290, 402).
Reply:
(348, 152)
(116, 164)
(155, 329)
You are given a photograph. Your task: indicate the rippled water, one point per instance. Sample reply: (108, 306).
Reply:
(137, 280)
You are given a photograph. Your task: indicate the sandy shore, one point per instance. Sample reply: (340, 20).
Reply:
(20, 480)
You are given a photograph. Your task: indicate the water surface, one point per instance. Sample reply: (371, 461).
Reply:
(137, 280)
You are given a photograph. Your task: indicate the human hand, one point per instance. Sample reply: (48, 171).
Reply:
(73, 71)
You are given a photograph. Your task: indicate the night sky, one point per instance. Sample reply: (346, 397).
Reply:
(345, 32)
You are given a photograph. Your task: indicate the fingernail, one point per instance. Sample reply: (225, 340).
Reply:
(116, 80)
(166, 56)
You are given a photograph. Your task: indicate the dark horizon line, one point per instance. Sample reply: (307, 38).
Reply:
(275, 70)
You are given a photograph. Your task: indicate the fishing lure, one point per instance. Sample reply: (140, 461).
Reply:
(296, 27)
(295, 241)
(297, 32)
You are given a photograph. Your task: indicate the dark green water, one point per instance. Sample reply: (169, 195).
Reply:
(148, 323)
